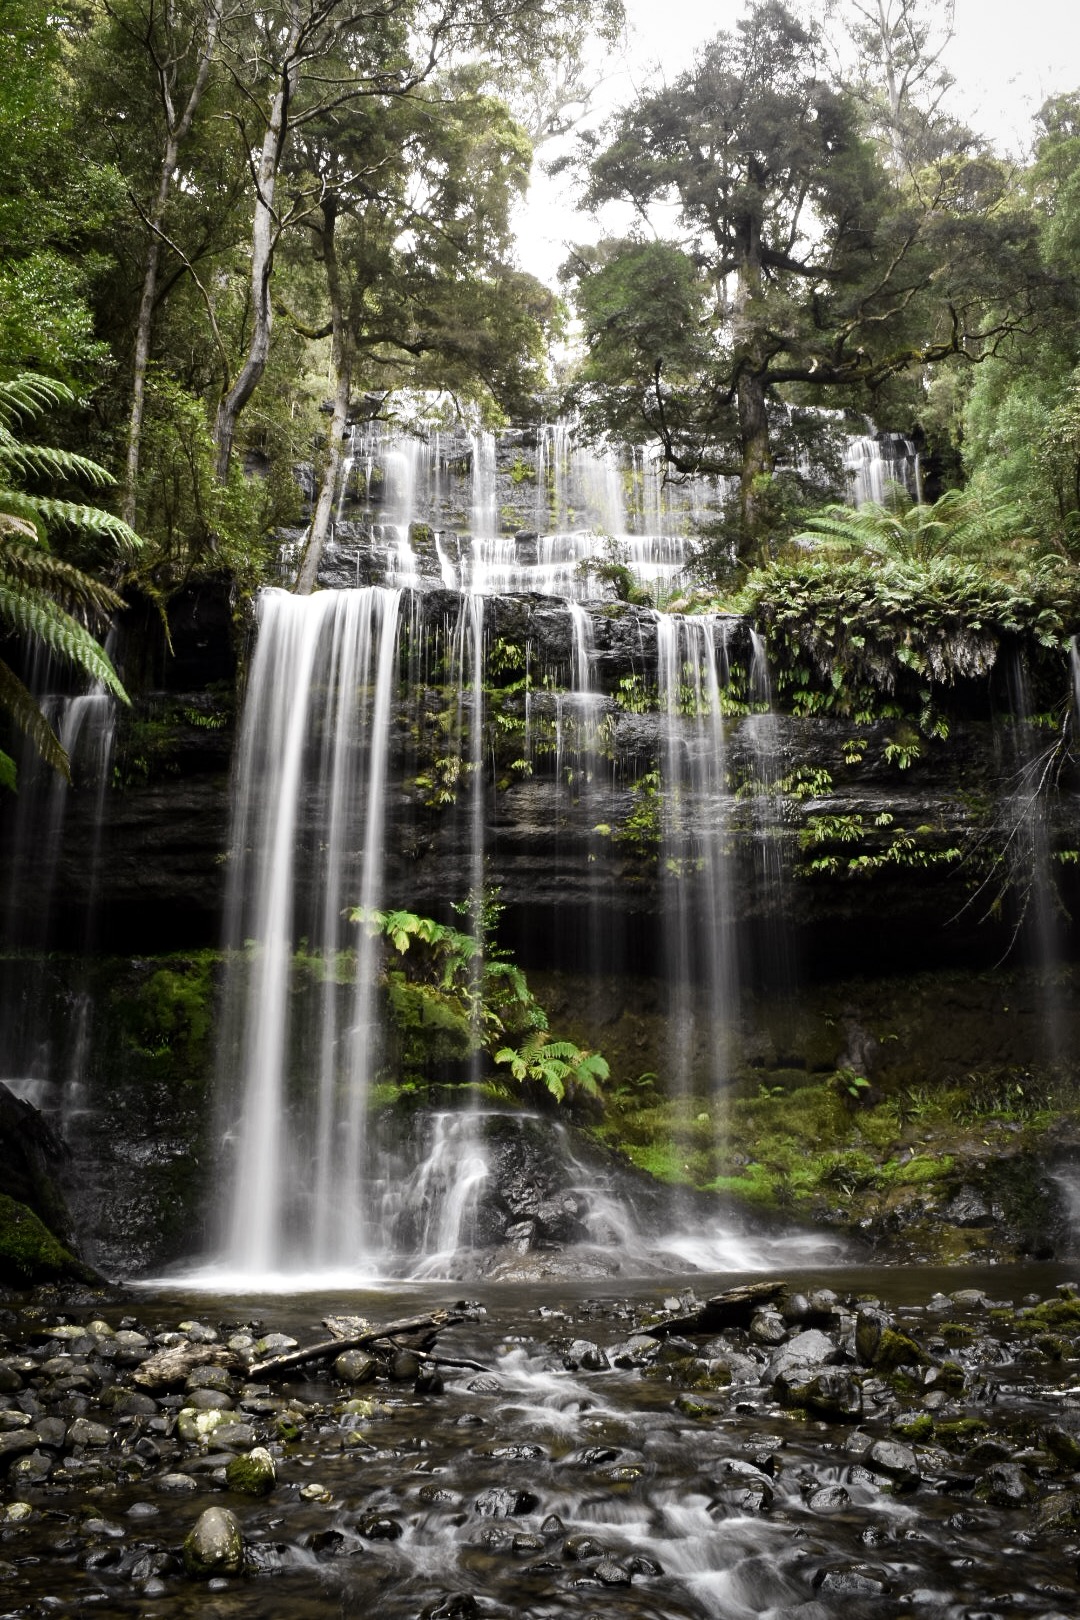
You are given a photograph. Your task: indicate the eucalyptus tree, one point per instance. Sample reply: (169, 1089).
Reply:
(799, 268)
(304, 62)
(178, 42)
(901, 81)
(410, 234)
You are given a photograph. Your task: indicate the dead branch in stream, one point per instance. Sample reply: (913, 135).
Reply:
(426, 1327)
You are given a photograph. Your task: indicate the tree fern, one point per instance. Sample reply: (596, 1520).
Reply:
(43, 597)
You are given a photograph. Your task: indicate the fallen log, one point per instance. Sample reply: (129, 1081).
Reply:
(171, 1366)
(358, 1341)
(733, 1308)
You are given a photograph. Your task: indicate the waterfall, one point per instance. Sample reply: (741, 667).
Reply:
(877, 464)
(761, 731)
(1040, 913)
(700, 958)
(307, 843)
(41, 1058)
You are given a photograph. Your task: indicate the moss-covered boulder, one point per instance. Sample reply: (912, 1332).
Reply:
(254, 1474)
(214, 1546)
(30, 1253)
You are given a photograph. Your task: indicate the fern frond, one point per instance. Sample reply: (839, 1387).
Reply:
(29, 567)
(11, 523)
(32, 613)
(43, 461)
(91, 519)
(8, 774)
(27, 715)
(28, 395)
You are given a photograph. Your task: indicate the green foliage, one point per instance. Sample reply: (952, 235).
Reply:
(640, 832)
(843, 633)
(842, 845)
(167, 1017)
(42, 596)
(560, 1066)
(29, 1253)
(470, 995)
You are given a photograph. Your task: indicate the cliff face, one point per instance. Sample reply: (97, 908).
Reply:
(845, 862)
(862, 857)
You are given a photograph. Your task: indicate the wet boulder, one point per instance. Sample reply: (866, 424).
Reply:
(898, 1463)
(796, 1361)
(1005, 1485)
(355, 1367)
(214, 1546)
(252, 1475)
(832, 1393)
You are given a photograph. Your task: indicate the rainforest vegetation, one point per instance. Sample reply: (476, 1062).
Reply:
(226, 232)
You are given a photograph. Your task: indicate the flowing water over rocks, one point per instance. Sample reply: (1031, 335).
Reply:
(766, 1450)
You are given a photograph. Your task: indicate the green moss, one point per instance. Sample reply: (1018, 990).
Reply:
(957, 1434)
(915, 1172)
(29, 1253)
(958, 1333)
(916, 1427)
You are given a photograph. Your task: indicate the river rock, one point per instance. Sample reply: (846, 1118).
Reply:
(833, 1393)
(504, 1502)
(1004, 1484)
(584, 1353)
(793, 1361)
(355, 1367)
(252, 1475)
(215, 1545)
(898, 1462)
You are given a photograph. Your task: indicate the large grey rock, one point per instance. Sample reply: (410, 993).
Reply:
(793, 1360)
(215, 1545)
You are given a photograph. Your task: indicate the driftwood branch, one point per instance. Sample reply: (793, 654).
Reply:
(421, 1325)
(734, 1308)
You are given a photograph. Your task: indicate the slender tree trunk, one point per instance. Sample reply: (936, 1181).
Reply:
(264, 235)
(177, 132)
(341, 371)
(754, 445)
(757, 461)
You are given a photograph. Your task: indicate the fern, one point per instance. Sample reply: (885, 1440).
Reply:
(41, 594)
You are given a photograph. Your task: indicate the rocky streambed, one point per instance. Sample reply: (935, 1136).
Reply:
(879, 1446)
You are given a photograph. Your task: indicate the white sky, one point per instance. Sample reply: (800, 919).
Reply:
(1006, 59)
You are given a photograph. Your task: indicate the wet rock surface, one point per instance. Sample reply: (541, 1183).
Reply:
(572, 1453)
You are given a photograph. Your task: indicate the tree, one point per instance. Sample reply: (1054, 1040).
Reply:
(42, 596)
(801, 270)
(51, 198)
(179, 40)
(410, 233)
(315, 61)
(901, 82)
(1020, 428)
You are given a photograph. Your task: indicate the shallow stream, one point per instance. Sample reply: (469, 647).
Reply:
(537, 1487)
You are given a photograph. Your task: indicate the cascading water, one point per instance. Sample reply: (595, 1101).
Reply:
(307, 842)
(1027, 844)
(693, 801)
(880, 464)
(39, 1061)
(761, 731)
(311, 1188)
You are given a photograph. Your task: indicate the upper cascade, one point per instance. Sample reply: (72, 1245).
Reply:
(534, 510)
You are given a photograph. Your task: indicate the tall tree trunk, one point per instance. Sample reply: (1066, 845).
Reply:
(264, 236)
(754, 446)
(177, 130)
(341, 371)
(757, 461)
